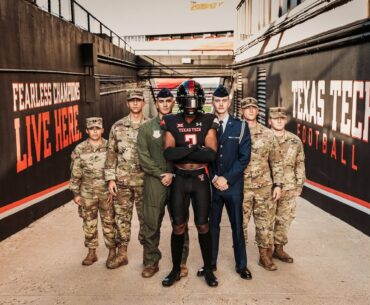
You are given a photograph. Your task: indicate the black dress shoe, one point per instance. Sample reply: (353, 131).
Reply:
(170, 279)
(201, 270)
(245, 274)
(210, 278)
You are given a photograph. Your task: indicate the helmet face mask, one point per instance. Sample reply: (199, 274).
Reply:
(190, 97)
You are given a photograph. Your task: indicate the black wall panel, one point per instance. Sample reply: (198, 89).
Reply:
(46, 92)
(337, 161)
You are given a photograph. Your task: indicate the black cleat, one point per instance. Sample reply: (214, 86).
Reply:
(200, 272)
(245, 274)
(170, 279)
(210, 278)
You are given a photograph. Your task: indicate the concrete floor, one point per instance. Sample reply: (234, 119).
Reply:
(42, 265)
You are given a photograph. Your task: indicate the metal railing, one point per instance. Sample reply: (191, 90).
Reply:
(184, 51)
(75, 13)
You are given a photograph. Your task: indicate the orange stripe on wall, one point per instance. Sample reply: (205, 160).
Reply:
(340, 194)
(53, 188)
(31, 197)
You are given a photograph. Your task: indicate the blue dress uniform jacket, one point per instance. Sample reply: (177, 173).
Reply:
(233, 155)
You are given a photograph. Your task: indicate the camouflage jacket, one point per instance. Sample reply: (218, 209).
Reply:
(265, 166)
(87, 169)
(150, 148)
(122, 163)
(293, 162)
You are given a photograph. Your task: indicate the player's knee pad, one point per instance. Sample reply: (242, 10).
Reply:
(179, 229)
(203, 229)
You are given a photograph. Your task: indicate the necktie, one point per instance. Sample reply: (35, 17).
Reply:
(220, 129)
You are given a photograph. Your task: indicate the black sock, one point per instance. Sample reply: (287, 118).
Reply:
(177, 244)
(205, 243)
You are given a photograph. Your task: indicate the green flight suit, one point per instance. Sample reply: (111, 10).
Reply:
(155, 195)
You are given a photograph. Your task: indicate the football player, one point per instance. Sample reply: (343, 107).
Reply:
(190, 143)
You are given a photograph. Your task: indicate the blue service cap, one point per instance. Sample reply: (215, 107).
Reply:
(164, 92)
(220, 92)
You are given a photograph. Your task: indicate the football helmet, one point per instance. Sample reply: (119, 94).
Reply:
(190, 97)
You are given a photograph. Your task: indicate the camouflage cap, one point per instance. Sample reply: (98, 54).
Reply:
(139, 94)
(277, 112)
(248, 101)
(94, 122)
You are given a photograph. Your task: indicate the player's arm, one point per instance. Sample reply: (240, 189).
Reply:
(208, 152)
(173, 153)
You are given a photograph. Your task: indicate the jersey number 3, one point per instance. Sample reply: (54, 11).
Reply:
(191, 138)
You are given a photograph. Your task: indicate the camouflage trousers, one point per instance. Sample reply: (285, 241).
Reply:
(123, 204)
(88, 211)
(285, 213)
(260, 203)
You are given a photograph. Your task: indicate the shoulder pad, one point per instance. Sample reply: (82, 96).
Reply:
(215, 123)
(211, 119)
(166, 121)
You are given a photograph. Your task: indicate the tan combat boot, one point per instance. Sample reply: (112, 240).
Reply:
(90, 258)
(111, 256)
(265, 260)
(120, 259)
(269, 252)
(149, 271)
(183, 270)
(279, 253)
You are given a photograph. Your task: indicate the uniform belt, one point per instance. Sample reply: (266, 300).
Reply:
(189, 173)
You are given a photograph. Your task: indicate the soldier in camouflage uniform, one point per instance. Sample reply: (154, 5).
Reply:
(158, 178)
(91, 191)
(125, 176)
(294, 176)
(263, 179)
